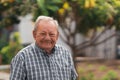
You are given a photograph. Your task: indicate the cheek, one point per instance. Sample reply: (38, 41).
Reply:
(54, 39)
(38, 39)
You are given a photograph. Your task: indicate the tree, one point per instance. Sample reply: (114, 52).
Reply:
(9, 51)
(8, 17)
(85, 15)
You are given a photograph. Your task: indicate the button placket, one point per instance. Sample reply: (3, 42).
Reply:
(53, 67)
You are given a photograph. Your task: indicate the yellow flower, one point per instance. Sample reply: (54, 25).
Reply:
(87, 4)
(61, 11)
(92, 3)
(66, 5)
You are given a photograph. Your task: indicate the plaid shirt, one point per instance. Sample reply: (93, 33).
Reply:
(32, 63)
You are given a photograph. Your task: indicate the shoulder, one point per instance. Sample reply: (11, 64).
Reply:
(62, 49)
(64, 53)
(23, 52)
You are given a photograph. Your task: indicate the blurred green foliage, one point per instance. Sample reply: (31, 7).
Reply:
(102, 68)
(9, 51)
(87, 14)
(97, 13)
(8, 13)
(86, 74)
(110, 75)
(3, 41)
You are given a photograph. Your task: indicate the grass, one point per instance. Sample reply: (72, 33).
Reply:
(99, 70)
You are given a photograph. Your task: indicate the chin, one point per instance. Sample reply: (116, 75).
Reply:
(47, 47)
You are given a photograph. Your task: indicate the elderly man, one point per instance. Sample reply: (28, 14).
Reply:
(44, 59)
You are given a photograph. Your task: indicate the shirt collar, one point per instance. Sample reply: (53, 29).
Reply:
(43, 51)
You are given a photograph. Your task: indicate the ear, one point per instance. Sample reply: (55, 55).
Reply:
(34, 34)
(57, 35)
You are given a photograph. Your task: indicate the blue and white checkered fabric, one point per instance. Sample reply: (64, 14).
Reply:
(32, 63)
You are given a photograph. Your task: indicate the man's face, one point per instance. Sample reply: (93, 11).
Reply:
(46, 35)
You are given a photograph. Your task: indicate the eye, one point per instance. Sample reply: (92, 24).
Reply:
(42, 34)
(52, 35)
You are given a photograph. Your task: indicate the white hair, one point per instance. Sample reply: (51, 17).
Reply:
(46, 18)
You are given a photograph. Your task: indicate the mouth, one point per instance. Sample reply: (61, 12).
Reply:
(47, 42)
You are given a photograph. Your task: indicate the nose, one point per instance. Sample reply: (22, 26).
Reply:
(47, 37)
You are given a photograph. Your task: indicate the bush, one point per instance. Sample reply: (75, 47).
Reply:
(8, 52)
(111, 75)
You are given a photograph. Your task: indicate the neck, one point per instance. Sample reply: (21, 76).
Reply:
(48, 51)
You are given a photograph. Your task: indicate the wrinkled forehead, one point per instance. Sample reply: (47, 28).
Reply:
(47, 26)
(50, 21)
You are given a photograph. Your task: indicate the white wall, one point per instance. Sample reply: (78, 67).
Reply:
(25, 28)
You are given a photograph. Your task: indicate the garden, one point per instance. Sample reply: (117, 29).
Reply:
(89, 18)
(99, 70)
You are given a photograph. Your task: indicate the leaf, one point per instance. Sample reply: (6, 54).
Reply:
(45, 12)
(41, 3)
(53, 8)
(57, 1)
